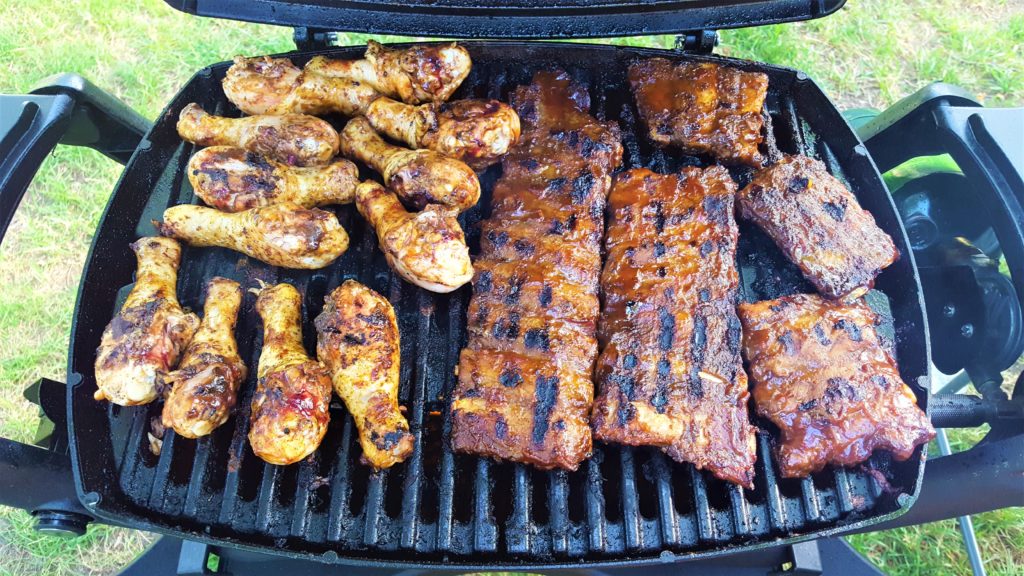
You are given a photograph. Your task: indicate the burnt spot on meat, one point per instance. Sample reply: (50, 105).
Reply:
(471, 393)
(659, 217)
(581, 187)
(390, 439)
(483, 282)
(881, 381)
(523, 247)
(797, 184)
(546, 395)
(352, 338)
(734, 334)
(546, 295)
(530, 164)
(839, 388)
(788, 344)
(659, 249)
(510, 378)
(820, 336)
(699, 340)
(714, 207)
(556, 227)
(662, 272)
(851, 329)
(537, 339)
(481, 313)
(706, 248)
(507, 328)
(664, 368)
(809, 405)
(696, 384)
(704, 295)
(629, 361)
(624, 413)
(500, 428)
(836, 210)
(515, 286)
(557, 184)
(666, 328)
(498, 239)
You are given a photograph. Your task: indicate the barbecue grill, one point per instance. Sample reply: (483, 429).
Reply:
(945, 304)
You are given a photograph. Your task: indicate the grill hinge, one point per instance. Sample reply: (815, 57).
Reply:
(307, 38)
(697, 42)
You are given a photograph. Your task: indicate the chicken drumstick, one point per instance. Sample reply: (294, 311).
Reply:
(275, 86)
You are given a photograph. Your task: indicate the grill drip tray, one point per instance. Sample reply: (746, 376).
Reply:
(624, 504)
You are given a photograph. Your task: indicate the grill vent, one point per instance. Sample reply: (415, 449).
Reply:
(622, 503)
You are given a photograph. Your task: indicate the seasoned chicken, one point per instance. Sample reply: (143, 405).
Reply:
(415, 75)
(233, 179)
(286, 235)
(477, 132)
(426, 248)
(204, 388)
(419, 177)
(702, 107)
(289, 413)
(670, 372)
(357, 338)
(525, 377)
(275, 86)
(818, 224)
(824, 378)
(145, 339)
(294, 139)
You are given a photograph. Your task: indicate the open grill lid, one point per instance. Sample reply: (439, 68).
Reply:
(513, 18)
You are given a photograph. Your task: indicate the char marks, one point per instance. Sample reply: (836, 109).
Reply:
(525, 387)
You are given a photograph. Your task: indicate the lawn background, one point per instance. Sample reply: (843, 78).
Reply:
(868, 55)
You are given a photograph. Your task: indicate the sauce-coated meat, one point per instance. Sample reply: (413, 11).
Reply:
(819, 225)
(823, 377)
(702, 107)
(670, 372)
(525, 379)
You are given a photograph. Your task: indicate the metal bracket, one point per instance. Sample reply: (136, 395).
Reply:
(306, 38)
(697, 42)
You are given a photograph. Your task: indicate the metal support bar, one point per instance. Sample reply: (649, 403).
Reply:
(966, 411)
(966, 527)
(40, 481)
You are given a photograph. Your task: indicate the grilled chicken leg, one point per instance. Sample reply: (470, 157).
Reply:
(295, 139)
(426, 248)
(478, 132)
(357, 338)
(275, 86)
(414, 75)
(232, 179)
(205, 385)
(419, 177)
(286, 235)
(144, 341)
(293, 392)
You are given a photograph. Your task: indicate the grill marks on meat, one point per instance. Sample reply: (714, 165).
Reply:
(701, 107)
(819, 225)
(525, 388)
(670, 371)
(822, 375)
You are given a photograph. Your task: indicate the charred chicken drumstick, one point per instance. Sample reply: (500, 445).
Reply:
(205, 385)
(294, 139)
(478, 132)
(419, 177)
(414, 75)
(275, 86)
(286, 235)
(426, 248)
(146, 338)
(293, 392)
(357, 338)
(232, 179)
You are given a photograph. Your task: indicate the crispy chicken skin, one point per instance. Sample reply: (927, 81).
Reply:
(525, 378)
(293, 139)
(818, 224)
(285, 235)
(144, 341)
(670, 373)
(426, 248)
(419, 177)
(358, 340)
(204, 388)
(275, 86)
(415, 75)
(478, 132)
(701, 107)
(233, 179)
(289, 413)
(823, 377)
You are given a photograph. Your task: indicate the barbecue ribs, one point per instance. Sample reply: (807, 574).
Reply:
(823, 377)
(146, 338)
(670, 371)
(525, 387)
(702, 107)
(357, 338)
(819, 225)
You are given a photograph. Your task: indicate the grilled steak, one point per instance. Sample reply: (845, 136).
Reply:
(525, 387)
(670, 372)
(703, 108)
(822, 375)
(819, 225)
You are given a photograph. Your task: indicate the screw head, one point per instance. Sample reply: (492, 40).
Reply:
(967, 330)
(948, 310)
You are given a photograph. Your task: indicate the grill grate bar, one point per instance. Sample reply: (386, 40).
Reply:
(341, 488)
(517, 531)
(742, 520)
(300, 511)
(705, 515)
(666, 502)
(373, 511)
(630, 504)
(485, 533)
(414, 467)
(161, 475)
(558, 505)
(776, 507)
(812, 506)
(197, 479)
(265, 500)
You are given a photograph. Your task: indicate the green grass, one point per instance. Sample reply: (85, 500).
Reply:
(868, 55)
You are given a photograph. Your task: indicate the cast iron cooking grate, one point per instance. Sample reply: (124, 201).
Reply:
(624, 504)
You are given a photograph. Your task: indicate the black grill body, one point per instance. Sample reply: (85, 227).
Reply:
(443, 510)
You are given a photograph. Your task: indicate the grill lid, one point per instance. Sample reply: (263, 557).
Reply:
(513, 18)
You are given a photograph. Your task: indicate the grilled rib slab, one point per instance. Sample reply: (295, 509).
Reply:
(670, 371)
(818, 224)
(822, 375)
(525, 387)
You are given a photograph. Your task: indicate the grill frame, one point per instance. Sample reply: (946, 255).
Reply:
(107, 278)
